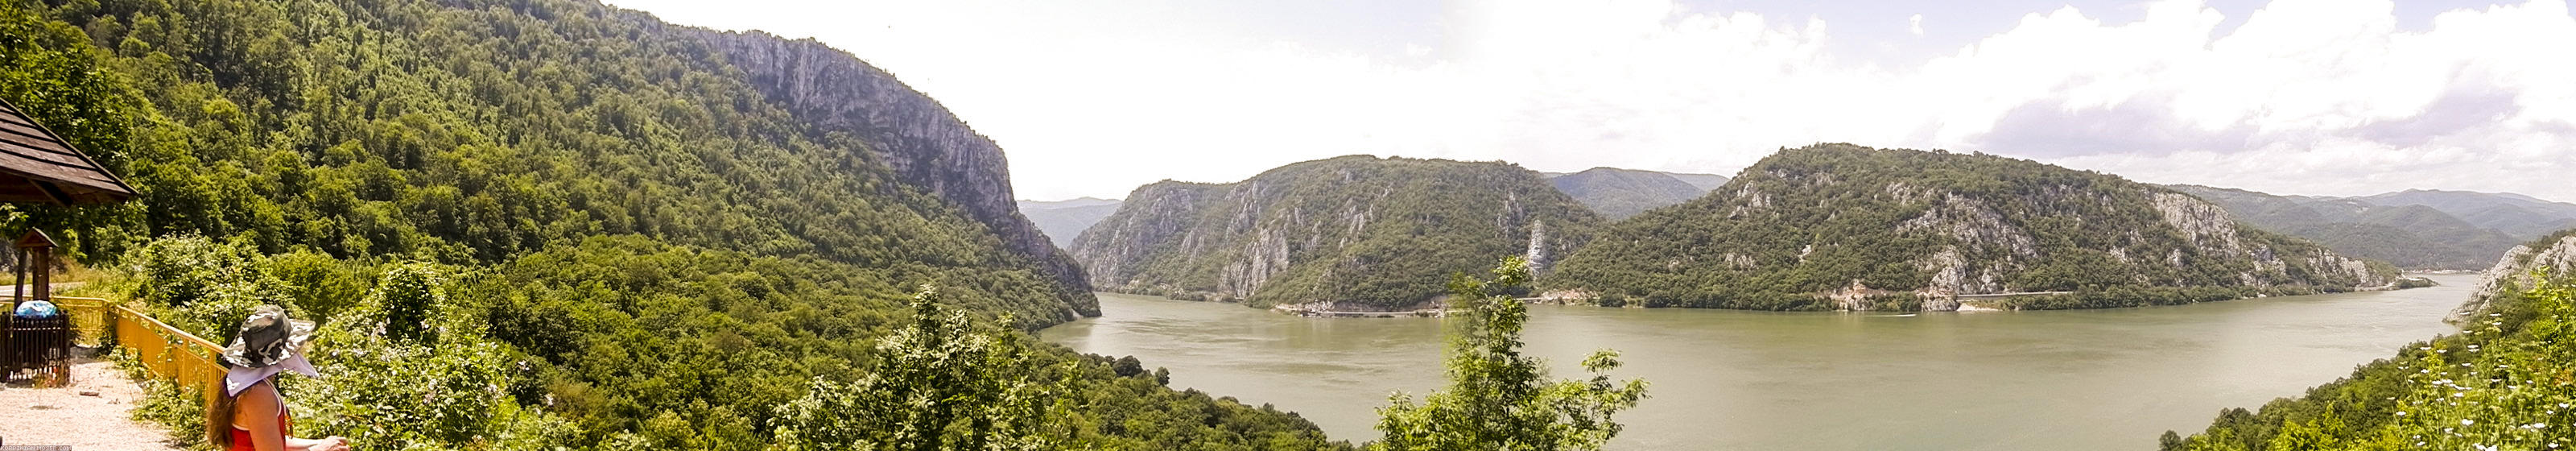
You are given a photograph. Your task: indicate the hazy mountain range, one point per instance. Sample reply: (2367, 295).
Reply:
(1061, 220)
(1620, 193)
(2413, 229)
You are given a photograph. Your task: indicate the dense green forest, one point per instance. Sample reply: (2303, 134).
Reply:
(1362, 232)
(2502, 383)
(597, 219)
(1908, 226)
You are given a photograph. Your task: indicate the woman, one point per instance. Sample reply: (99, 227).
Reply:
(251, 416)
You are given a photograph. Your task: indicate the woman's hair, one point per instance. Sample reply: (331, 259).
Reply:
(219, 419)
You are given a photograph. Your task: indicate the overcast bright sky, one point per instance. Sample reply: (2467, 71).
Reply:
(2322, 97)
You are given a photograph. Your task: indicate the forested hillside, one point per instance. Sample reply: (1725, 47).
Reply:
(2409, 235)
(2503, 383)
(1837, 226)
(1355, 232)
(671, 230)
(1620, 193)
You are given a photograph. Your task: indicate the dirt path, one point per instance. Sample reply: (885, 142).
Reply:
(63, 416)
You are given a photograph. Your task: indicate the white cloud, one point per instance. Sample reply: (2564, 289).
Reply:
(1914, 24)
(2304, 96)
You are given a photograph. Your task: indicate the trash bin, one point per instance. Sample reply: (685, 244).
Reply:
(39, 343)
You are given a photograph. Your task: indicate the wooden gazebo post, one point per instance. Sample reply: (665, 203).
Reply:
(38, 167)
(35, 250)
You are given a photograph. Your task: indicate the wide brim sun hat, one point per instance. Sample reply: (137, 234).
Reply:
(269, 343)
(267, 338)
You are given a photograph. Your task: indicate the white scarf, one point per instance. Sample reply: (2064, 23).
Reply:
(238, 379)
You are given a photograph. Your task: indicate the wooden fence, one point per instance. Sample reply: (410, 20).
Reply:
(167, 352)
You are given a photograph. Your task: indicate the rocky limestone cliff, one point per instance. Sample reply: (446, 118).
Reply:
(1841, 227)
(2213, 231)
(1343, 234)
(926, 146)
(2554, 256)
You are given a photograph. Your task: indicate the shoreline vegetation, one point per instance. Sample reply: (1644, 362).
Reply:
(2502, 382)
(1991, 302)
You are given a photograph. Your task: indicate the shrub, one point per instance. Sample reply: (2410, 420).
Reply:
(405, 369)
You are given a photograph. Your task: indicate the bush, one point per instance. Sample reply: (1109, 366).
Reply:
(201, 286)
(405, 369)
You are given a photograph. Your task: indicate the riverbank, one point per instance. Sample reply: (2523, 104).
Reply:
(1301, 310)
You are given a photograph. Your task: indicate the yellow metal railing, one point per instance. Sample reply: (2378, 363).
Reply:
(167, 352)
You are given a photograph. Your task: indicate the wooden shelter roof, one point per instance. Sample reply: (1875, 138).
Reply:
(37, 166)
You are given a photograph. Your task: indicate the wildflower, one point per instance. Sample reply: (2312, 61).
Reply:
(2465, 422)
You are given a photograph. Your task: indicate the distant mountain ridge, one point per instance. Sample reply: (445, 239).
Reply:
(1843, 227)
(1620, 193)
(2414, 229)
(1062, 220)
(2523, 217)
(1347, 233)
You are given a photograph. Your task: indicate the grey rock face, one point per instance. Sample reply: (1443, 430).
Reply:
(925, 145)
(2514, 272)
(2214, 232)
(1356, 233)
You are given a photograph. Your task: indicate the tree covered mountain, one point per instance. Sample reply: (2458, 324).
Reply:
(2397, 227)
(1354, 232)
(672, 230)
(1620, 193)
(1063, 220)
(2501, 383)
(2519, 216)
(1836, 226)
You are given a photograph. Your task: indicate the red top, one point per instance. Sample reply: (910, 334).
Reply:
(241, 437)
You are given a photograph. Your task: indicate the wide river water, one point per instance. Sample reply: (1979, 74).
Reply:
(1737, 380)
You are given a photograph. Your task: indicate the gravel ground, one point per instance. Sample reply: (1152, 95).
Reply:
(63, 416)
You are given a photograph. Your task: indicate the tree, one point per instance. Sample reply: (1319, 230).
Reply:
(943, 385)
(1498, 399)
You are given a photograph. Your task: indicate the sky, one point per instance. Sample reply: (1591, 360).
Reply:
(2312, 97)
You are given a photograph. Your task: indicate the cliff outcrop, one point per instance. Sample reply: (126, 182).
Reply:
(2550, 256)
(1348, 233)
(924, 144)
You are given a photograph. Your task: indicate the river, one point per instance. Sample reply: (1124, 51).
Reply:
(1737, 380)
